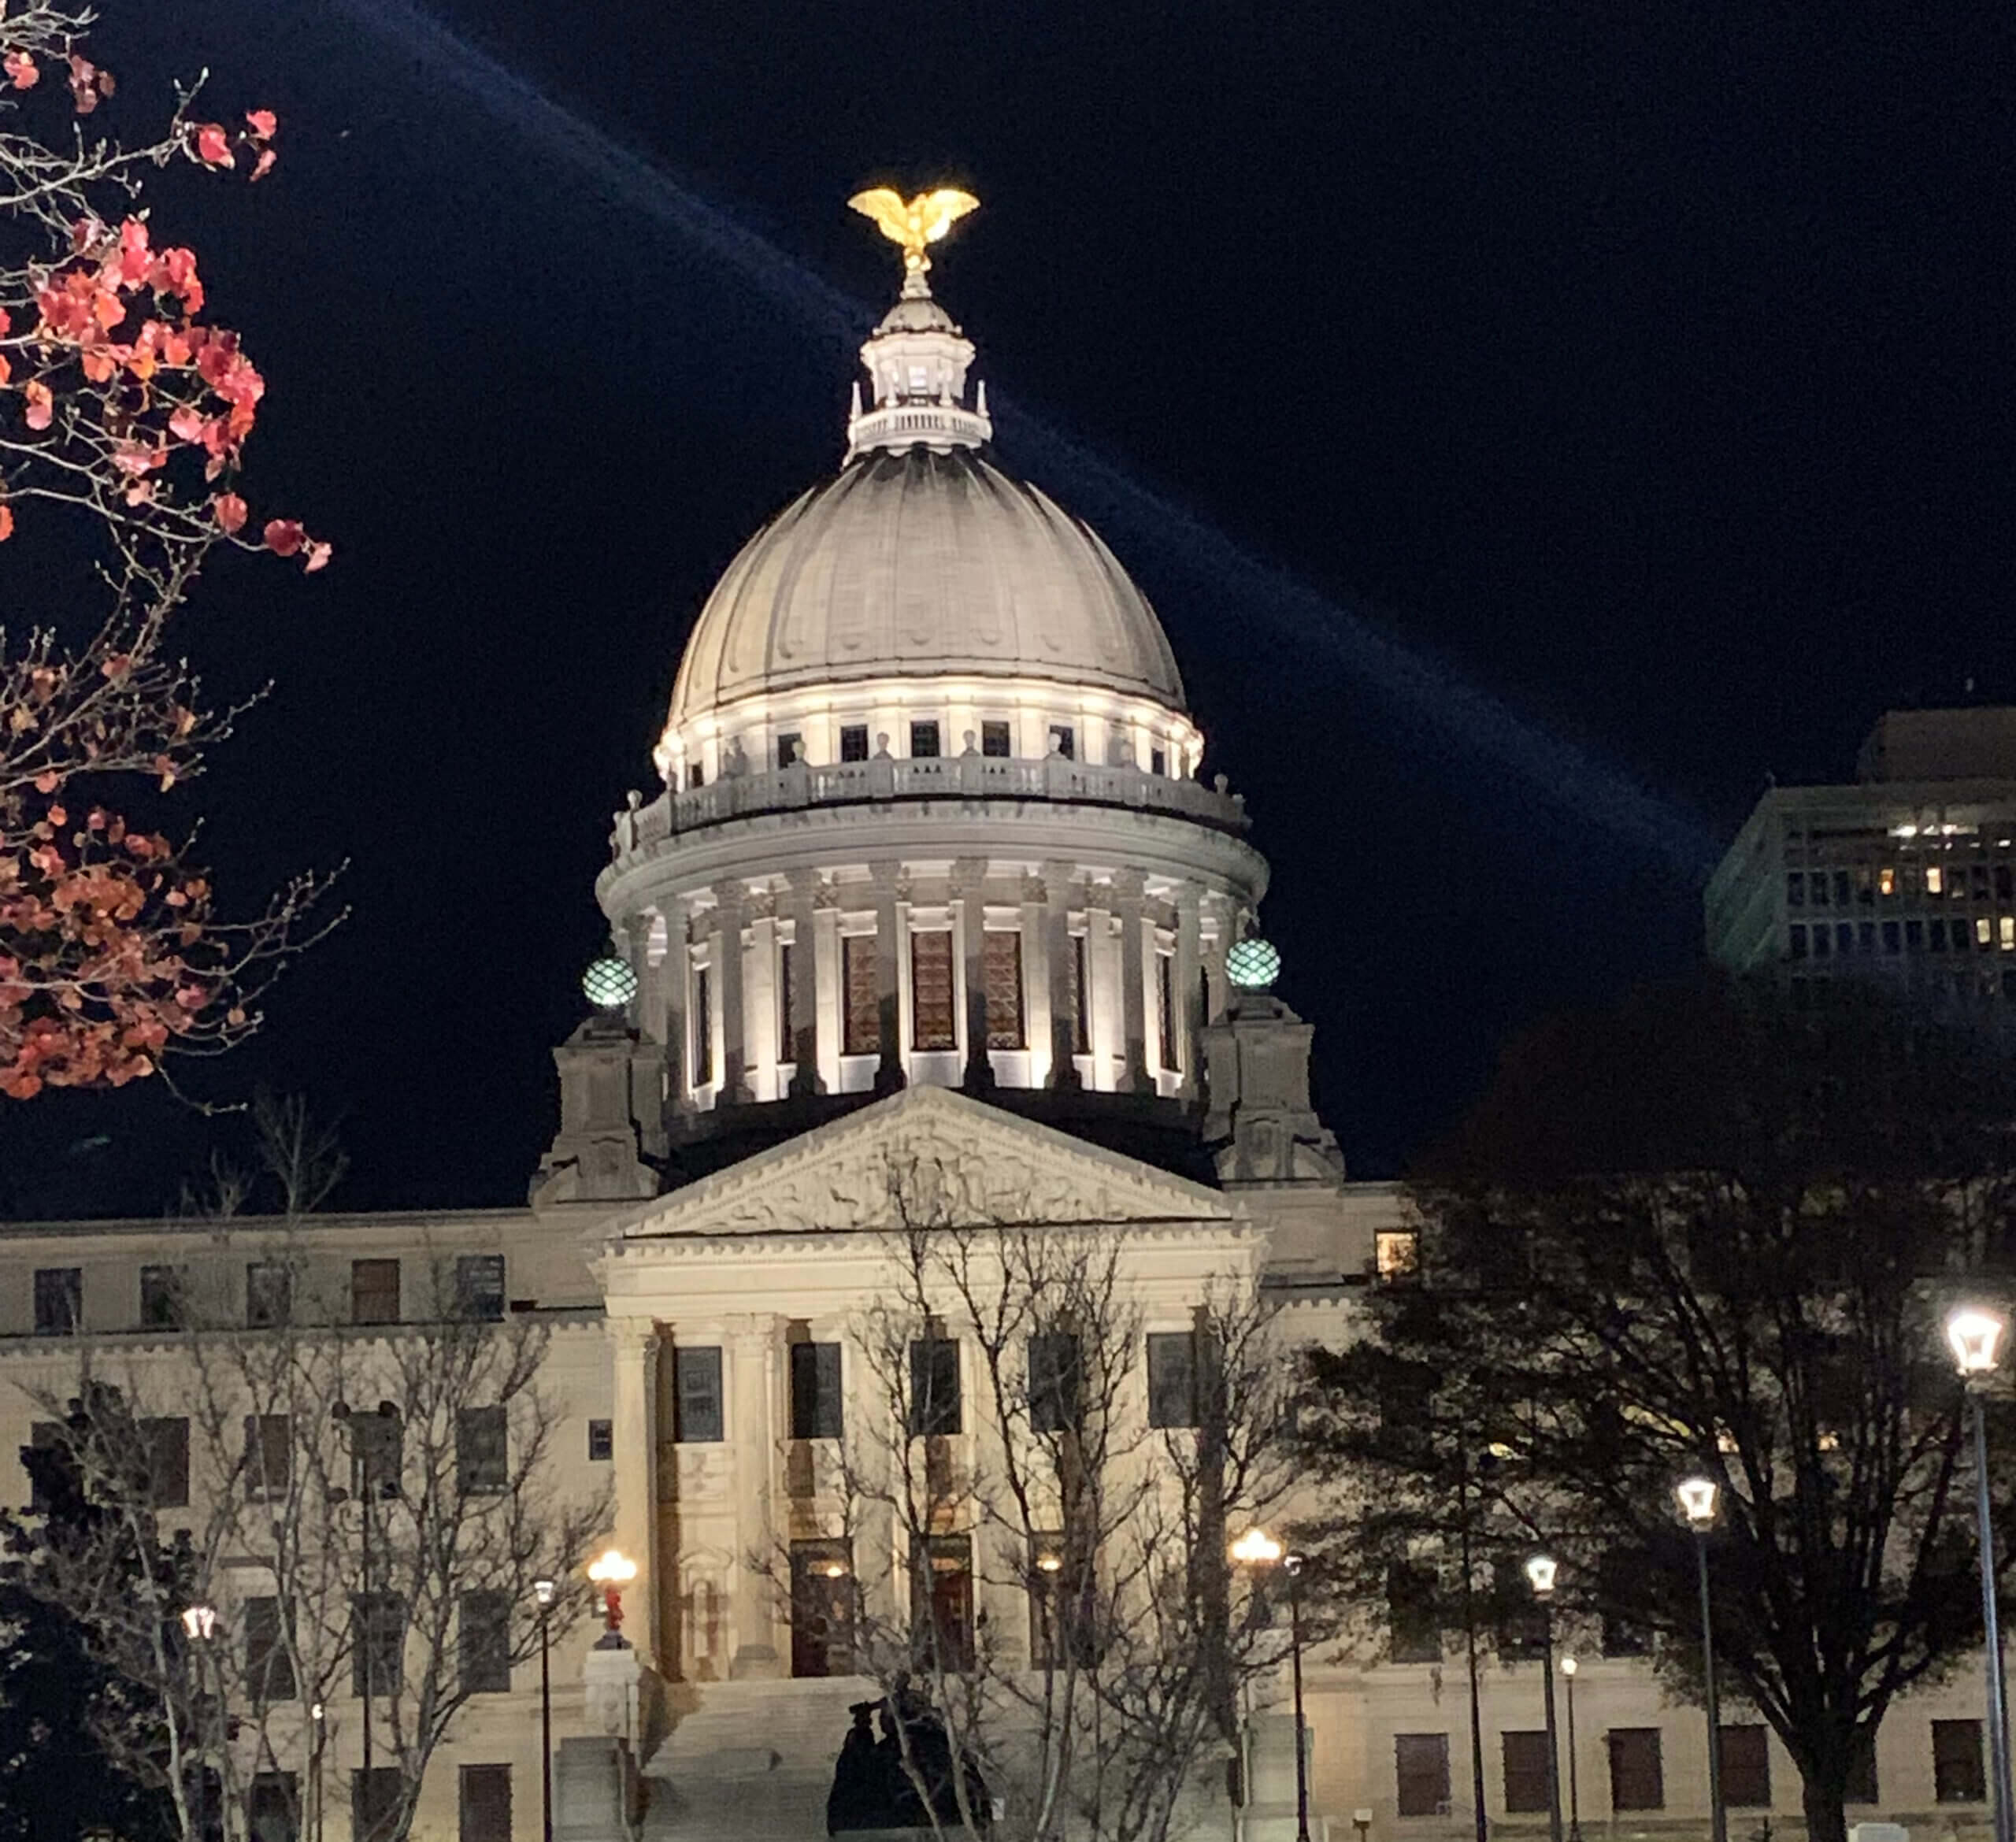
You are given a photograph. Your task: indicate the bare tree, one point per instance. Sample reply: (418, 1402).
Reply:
(367, 1508)
(1061, 1486)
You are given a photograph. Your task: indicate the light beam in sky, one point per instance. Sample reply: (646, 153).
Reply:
(1418, 689)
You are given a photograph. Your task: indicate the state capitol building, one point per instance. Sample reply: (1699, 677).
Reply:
(932, 894)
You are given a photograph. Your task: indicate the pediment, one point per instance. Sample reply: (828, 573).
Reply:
(943, 1157)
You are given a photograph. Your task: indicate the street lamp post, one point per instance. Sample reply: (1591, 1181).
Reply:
(1574, 1780)
(199, 1625)
(1540, 1571)
(544, 1590)
(612, 1570)
(1257, 1548)
(317, 1715)
(1976, 1335)
(1697, 1502)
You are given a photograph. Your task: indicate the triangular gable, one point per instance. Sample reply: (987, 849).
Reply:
(988, 1166)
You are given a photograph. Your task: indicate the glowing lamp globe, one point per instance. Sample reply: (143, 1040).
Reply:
(608, 983)
(1540, 1571)
(1697, 1500)
(1256, 1548)
(1254, 965)
(1976, 1338)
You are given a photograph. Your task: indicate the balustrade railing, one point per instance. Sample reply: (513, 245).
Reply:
(884, 779)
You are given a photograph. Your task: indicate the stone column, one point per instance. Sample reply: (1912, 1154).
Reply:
(1133, 998)
(969, 889)
(1035, 984)
(1188, 1020)
(728, 899)
(889, 1075)
(1061, 975)
(635, 1435)
(753, 1343)
(674, 973)
(804, 984)
(1099, 1020)
(761, 1001)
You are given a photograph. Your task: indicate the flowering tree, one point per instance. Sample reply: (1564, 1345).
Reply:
(123, 420)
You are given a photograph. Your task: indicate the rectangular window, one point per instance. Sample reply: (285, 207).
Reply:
(161, 1298)
(484, 1629)
(1934, 879)
(378, 1638)
(1637, 1778)
(935, 1407)
(994, 740)
(59, 1300)
(854, 742)
(821, 1605)
(374, 1292)
(167, 1443)
(1081, 1006)
(1841, 896)
(1796, 940)
(1064, 741)
(942, 1602)
(269, 1294)
(1396, 1253)
(486, 1804)
(268, 1454)
(1886, 880)
(1957, 1776)
(44, 1436)
(696, 777)
(273, 1810)
(1525, 1773)
(483, 1461)
(787, 1024)
(815, 1391)
(1816, 889)
(1002, 956)
(1915, 935)
(1794, 888)
(375, 1797)
(1158, 761)
(480, 1287)
(701, 1021)
(1421, 1772)
(1893, 938)
(377, 1453)
(933, 1023)
(1844, 936)
(1746, 1768)
(1173, 1378)
(1413, 1619)
(924, 741)
(268, 1668)
(788, 747)
(1981, 931)
(860, 1021)
(697, 1395)
(1055, 1378)
(1165, 1010)
(601, 1441)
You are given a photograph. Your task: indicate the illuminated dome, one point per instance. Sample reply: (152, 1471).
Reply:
(923, 562)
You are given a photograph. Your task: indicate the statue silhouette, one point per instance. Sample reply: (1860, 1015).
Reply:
(872, 1788)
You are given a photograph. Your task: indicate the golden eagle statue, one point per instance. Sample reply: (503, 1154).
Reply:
(924, 220)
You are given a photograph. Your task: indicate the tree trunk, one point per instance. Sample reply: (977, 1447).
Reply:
(1825, 1797)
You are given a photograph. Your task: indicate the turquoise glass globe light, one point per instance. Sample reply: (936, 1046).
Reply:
(609, 984)
(1253, 965)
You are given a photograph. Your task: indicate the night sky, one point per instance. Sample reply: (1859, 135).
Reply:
(1563, 416)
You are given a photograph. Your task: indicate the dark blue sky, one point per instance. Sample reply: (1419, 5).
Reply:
(1645, 369)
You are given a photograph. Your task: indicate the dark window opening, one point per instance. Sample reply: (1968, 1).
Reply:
(935, 1406)
(273, 1811)
(601, 1441)
(483, 1462)
(485, 1815)
(1637, 1778)
(1746, 1768)
(815, 1391)
(696, 777)
(924, 741)
(378, 1637)
(1081, 1009)
(1166, 1017)
(704, 1029)
(1421, 1768)
(933, 1025)
(167, 1443)
(269, 1667)
(854, 742)
(861, 1029)
(59, 1300)
(788, 749)
(485, 1634)
(1002, 956)
(994, 739)
(480, 1287)
(269, 1294)
(1956, 1776)
(697, 1395)
(787, 1024)
(1173, 1378)
(1157, 762)
(1064, 741)
(821, 1605)
(1525, 1773)
(377, 1453)
(374, 1292)
(1055, 1377)
(161, 1289)
(374, 1798)
(942, 1609)
(268, 1454)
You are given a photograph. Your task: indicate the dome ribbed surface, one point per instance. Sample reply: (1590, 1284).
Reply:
(922, 563)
